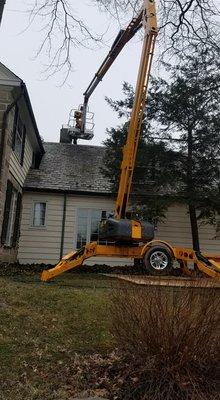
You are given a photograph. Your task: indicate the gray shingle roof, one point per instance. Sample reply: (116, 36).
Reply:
(68, 167)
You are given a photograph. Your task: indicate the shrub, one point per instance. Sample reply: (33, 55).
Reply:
(168, 341)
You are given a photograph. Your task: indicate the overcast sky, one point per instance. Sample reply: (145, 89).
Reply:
(52, 102)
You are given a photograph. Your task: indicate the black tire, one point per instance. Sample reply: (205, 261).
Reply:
(158, 261)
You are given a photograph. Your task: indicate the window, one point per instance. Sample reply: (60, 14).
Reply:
(82, 227)
(11, 220)
(19, 135)
(87, 225)
(39, 214)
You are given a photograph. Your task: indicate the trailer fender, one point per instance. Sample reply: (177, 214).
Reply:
(155, 242)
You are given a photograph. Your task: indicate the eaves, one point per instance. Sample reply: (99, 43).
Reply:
(76, 192)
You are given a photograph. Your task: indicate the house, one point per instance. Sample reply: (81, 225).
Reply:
(63, 202)
(20, 150)
(62, 189)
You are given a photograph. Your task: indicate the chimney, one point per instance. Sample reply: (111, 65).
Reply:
(64, 135)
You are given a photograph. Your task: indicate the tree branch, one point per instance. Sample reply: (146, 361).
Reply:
(182, 24)
(62, 32)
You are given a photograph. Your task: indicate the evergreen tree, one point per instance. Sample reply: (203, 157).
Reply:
(183, 112)
(187, 106)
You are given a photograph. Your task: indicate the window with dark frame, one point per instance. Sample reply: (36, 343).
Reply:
(11, 219)
(18, 136)
(39, 214)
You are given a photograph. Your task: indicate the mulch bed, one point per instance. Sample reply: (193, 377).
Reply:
(33, 269)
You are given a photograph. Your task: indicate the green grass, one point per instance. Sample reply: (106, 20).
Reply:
(42, 328)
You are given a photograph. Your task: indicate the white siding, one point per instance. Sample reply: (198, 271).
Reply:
(176, 230)
(176, 227)
(42, 245)
(20, 171)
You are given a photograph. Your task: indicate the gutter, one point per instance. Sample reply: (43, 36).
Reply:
(76, 192)
(4, 124)
(97, 194)
(30, 109)
(63, 226)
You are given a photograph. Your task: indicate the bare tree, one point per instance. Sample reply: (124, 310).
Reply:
(62, 32)
(182, 23)
(186, 22)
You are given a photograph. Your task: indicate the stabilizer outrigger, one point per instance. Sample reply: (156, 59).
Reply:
(208, 265)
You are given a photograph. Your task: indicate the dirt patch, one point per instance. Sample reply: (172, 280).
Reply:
(170, 281)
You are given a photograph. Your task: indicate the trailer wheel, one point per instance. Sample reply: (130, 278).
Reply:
(158, 261)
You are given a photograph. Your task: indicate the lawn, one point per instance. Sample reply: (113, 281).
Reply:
(46, 329)
(43, 326)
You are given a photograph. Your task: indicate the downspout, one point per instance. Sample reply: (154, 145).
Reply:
(63, 225)
(4, 125)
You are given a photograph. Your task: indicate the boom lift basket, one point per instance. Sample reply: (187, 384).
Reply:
(75, 124)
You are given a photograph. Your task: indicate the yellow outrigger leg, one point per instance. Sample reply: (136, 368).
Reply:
(209, 265)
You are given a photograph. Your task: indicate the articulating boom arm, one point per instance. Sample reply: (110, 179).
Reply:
(122, 38)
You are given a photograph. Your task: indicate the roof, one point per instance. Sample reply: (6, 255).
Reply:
(70, 168)
(7, 77)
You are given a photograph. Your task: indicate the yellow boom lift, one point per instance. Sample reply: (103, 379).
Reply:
(123, 237)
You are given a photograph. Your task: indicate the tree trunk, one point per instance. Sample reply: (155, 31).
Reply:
(194, 227)
(191, 193)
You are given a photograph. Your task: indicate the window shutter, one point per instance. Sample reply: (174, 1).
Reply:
(14, 127)
(17, 221)
(6, 211)
(23, 144)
